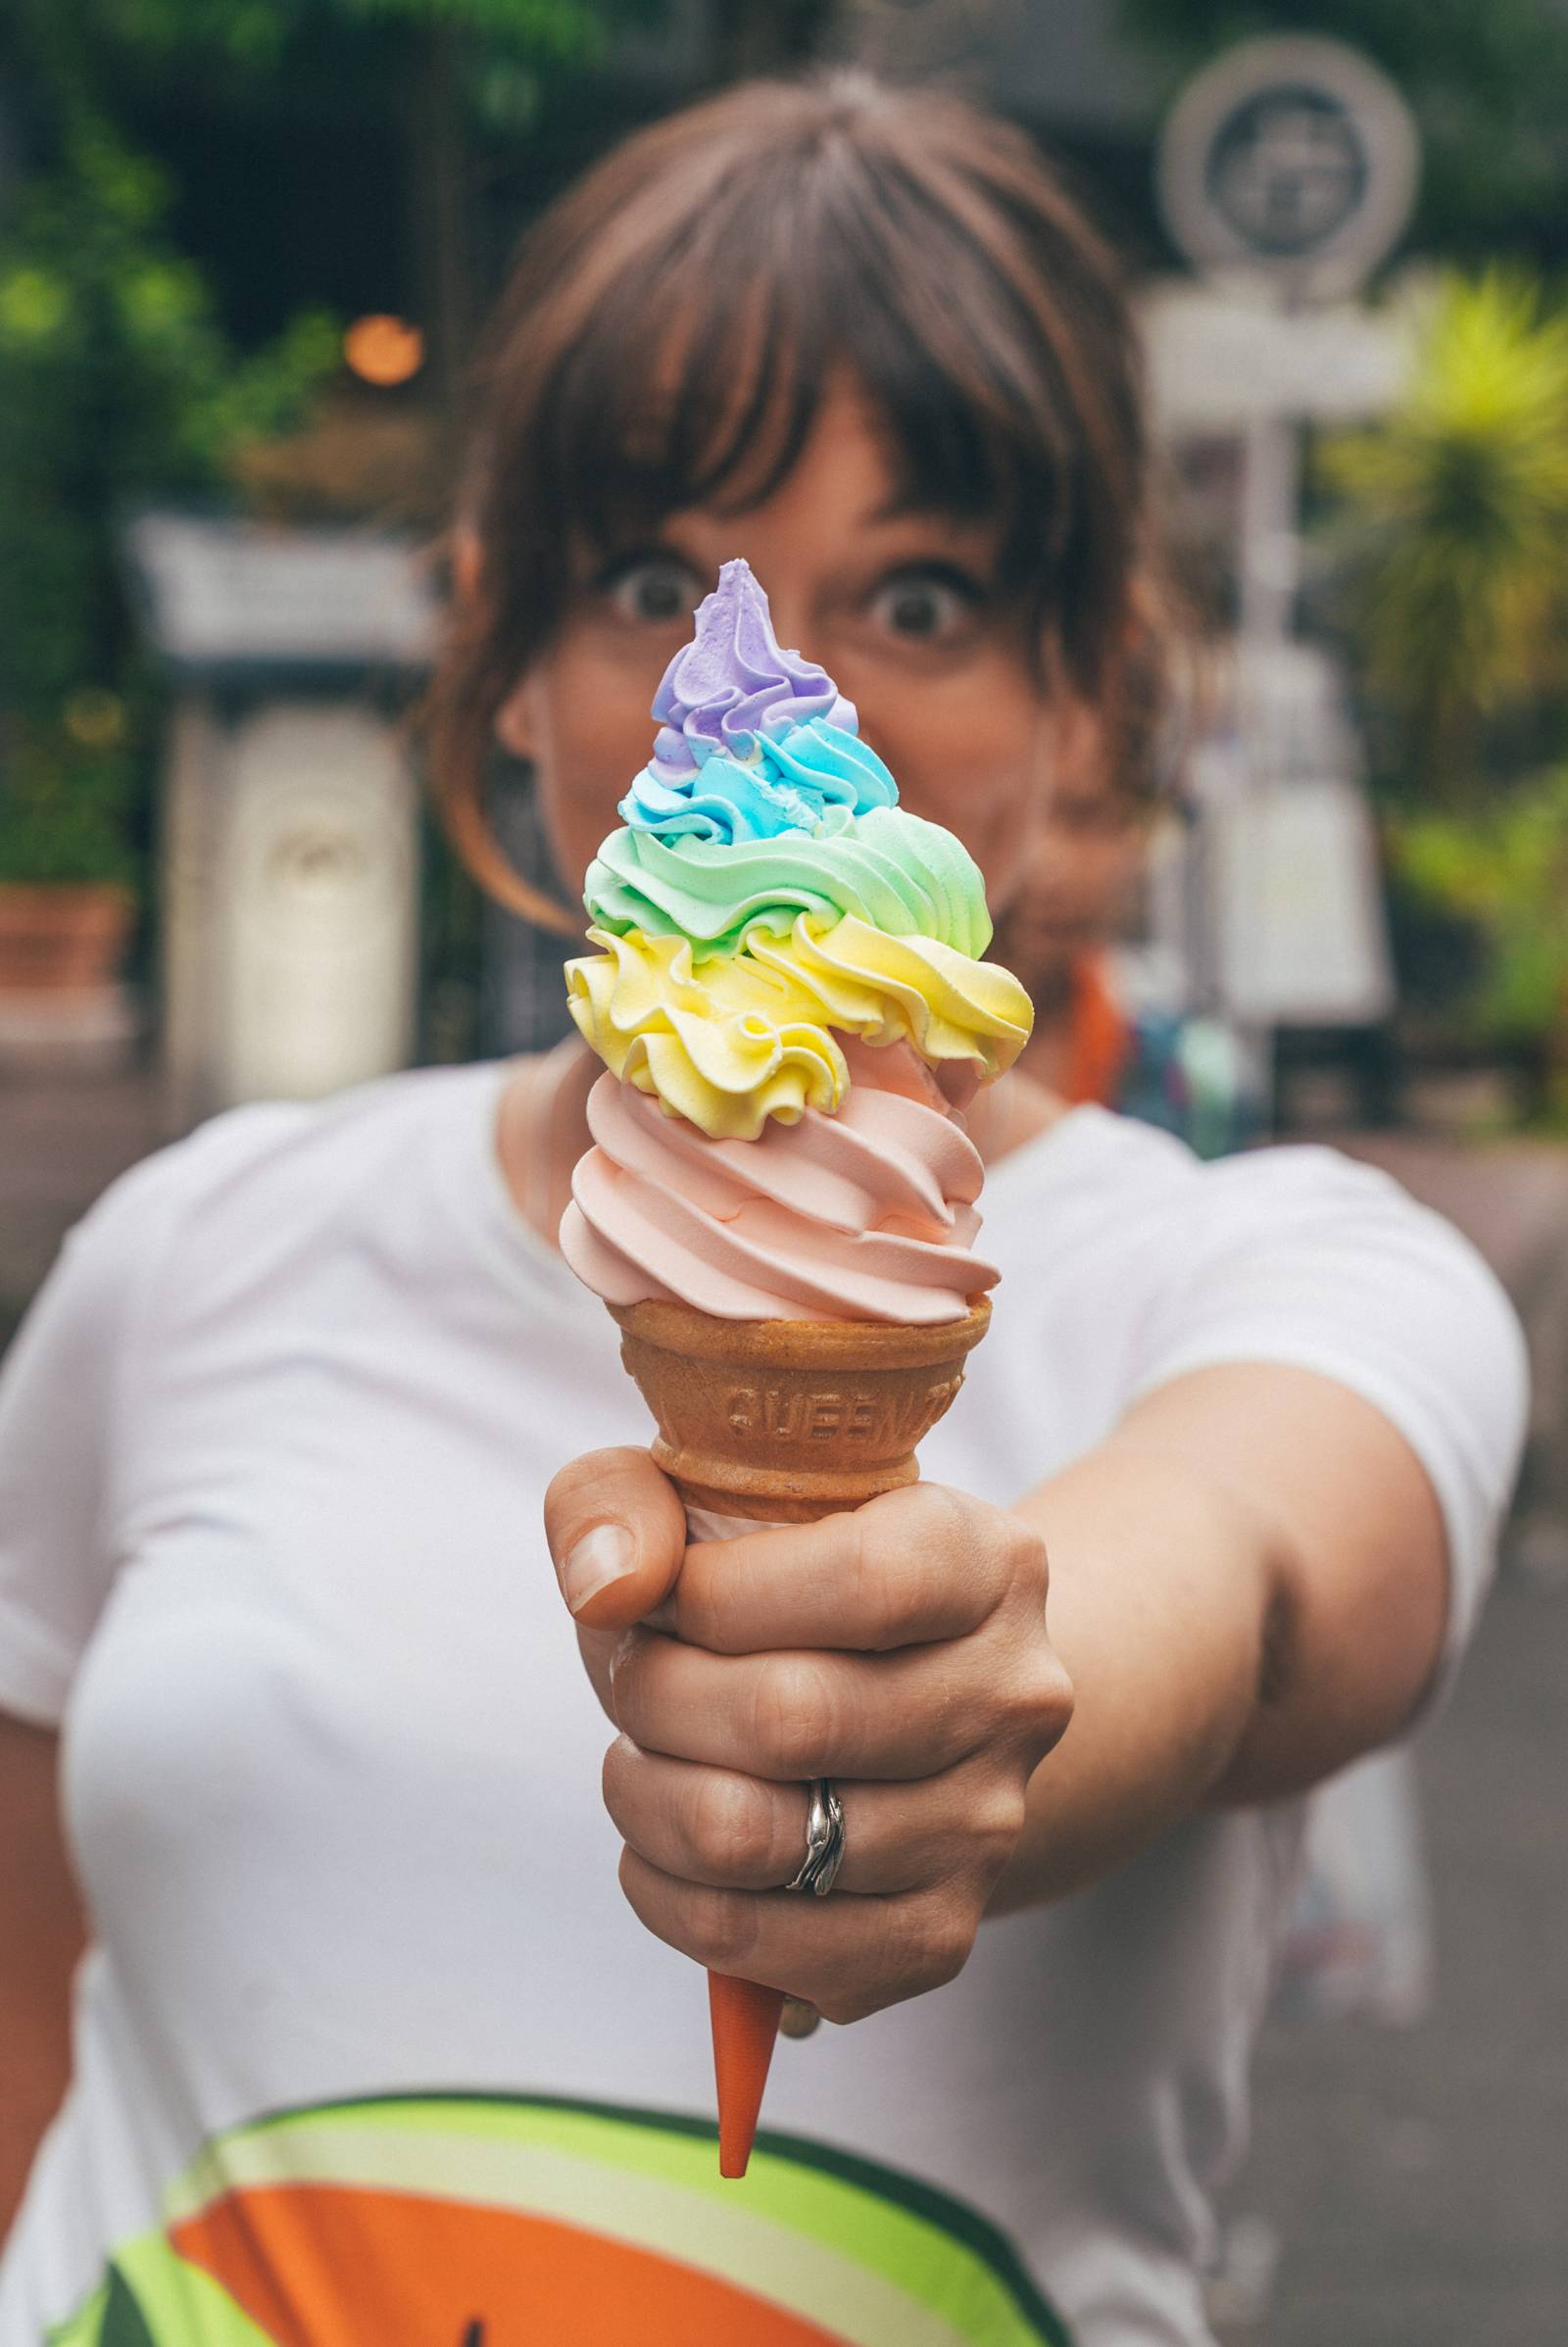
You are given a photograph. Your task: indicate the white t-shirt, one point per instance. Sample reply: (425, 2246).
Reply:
(273, 1449)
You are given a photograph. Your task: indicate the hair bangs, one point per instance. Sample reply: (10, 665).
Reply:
(719, 398)
(948, 358)
(739, 322)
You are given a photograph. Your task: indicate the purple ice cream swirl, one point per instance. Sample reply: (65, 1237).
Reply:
(734, 685)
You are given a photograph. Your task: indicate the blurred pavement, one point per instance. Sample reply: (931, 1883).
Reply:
(1414, 2182)
(1408, 2188)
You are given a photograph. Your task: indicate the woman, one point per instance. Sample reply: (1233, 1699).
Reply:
(274, 1446)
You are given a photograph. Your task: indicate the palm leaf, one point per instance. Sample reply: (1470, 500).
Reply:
(1458, 507)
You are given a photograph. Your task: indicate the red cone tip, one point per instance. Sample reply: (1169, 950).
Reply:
(744, 2021)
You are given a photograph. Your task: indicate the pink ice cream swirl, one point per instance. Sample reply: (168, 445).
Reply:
(868, 1214)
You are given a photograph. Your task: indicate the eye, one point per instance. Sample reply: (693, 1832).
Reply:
(654, 589)
(925, 607)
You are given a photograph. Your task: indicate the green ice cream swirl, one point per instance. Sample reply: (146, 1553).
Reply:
(888, 868)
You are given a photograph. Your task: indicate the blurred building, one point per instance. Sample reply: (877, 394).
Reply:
(394, 193)
(302, 193)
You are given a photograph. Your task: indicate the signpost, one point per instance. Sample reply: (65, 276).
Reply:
(1292, 164)
(1290, 159)
(1286, 172)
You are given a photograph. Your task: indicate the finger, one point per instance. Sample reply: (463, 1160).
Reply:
(798, 1715)
(846, 1957)
(736, 1832)
(616, 1533)
(911, 1568)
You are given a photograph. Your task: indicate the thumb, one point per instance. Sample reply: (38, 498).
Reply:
(617, 1534)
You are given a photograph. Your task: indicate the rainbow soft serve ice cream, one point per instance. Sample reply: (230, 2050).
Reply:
(791, 1006)
(780, 1205)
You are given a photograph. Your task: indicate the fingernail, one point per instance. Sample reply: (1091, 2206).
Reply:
(600, 1557)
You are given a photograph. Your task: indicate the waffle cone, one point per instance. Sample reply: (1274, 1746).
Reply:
(788, 1420)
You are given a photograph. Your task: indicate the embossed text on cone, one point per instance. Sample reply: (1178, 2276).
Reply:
(789, 1420)
(784, 1421)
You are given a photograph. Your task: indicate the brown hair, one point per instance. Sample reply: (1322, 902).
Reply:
(666, 336)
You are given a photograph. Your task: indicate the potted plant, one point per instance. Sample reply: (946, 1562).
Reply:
(67, 866)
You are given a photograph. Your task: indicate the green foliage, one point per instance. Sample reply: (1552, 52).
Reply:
(568, 30)
(1457, 513)
(257, 36)
(105, 327)
(116, 383)
(252, 34)
(1452, 522)
(1505, 871)
(65, 815)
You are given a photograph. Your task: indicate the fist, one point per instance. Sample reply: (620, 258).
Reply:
(898, 1649)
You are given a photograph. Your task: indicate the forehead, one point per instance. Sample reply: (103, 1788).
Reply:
(848, 487)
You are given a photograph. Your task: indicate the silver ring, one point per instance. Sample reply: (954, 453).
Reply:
(824, 1841)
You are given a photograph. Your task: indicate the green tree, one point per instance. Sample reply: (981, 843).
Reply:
(117, 383)
(1454, 524)
(442, 69)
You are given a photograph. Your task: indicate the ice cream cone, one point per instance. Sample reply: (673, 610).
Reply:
(781, 1203)
(788, 1420)
(783, 1421)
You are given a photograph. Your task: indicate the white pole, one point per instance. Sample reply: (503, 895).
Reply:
(1270, 565)
(1270, 549)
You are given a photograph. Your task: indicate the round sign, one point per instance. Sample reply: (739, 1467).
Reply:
(1289, 157)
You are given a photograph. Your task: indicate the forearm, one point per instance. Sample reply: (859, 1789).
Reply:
(1248, 1588)
(1162, 1588)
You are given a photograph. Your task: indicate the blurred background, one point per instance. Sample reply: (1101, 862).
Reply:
(244, 249)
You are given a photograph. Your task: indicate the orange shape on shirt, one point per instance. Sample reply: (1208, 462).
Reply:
(340, 2266)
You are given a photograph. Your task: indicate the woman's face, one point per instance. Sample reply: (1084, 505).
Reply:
(901, 607)
(1083, 868)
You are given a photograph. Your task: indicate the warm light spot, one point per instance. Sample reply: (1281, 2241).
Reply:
(383, 350)
(95, 717)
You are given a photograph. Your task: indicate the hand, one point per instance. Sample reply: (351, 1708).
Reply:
(899, 1648)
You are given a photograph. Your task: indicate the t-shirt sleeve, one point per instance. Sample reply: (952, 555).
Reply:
(59, 1404)
(1303, 1258)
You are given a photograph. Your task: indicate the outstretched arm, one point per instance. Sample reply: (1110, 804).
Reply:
(1248, 1588)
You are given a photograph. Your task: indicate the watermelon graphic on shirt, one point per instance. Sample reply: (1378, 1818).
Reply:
(456, 2220)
